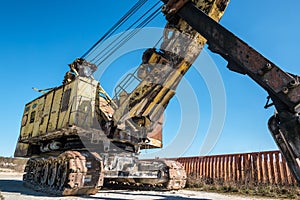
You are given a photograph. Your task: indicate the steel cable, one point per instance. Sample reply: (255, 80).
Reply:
(115, 27)
(127, 37)
(108, 48)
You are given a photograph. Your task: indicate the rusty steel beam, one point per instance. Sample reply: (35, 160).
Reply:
(282, 86)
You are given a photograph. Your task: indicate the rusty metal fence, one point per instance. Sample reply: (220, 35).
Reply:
(249, 168)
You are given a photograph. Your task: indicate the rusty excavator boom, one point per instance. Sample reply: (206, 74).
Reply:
(282, 87)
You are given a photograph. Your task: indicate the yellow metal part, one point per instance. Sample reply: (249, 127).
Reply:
(30, 114)
(67, 99)
(55, 109)
(158, 85)
(84, 101)
(46, 112)
(38, 117)
(70, 104)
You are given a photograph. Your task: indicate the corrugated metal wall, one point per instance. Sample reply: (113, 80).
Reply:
(249, 168)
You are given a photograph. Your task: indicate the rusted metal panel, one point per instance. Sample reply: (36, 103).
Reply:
(27, 130)
(24, 122)
(83, 106)
(201, 167)
(285, 173)
(46, 112)
(21, 150)
(54, 113)
(218, 168)
(272, 170)
(235, 168)
(239, 168)
(207, 168)
(221, 168)
(38, 117)
(266, 168)
(68, 97)
(260, 168)
(251, 168)
(225, 168)
(255, 168)
(278, 169)
(229, 169)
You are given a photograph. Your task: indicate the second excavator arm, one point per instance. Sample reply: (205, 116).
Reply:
(283, 88)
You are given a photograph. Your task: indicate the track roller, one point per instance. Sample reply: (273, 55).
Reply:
(71, 173)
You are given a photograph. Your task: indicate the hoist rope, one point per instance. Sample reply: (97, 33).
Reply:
(129, 36)
(126, 35)
(116, 26)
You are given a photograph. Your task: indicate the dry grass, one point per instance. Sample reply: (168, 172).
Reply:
(11, 164)
(15, 164)
(275, 191)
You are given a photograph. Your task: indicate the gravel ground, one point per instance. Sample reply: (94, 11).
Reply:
(11, 188)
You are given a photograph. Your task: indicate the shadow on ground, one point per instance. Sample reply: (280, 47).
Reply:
(17, 187)
(130, 195)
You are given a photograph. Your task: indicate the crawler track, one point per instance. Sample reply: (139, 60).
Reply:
(71, 173)
(177, 175)
(81, 173)
(172, 176)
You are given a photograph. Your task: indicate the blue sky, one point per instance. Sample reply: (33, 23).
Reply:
(39, 38)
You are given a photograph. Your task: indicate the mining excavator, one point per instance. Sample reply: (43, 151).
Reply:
(80, 139)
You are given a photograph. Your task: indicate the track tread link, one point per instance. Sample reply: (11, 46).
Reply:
(177, 175)
(71, 173)
(172, 170)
